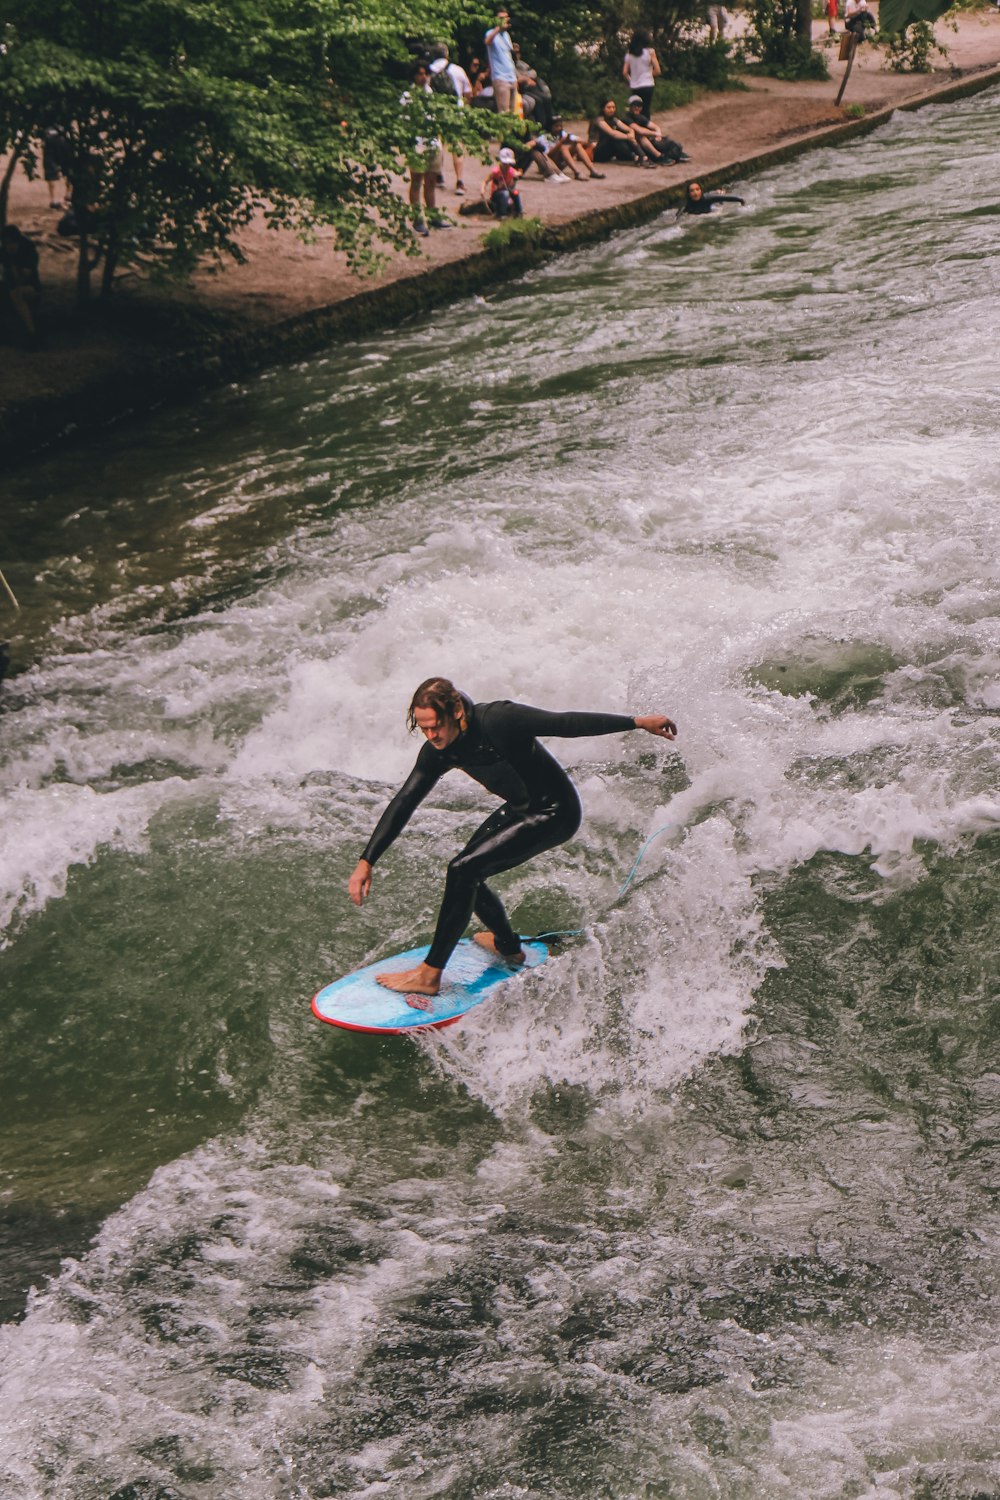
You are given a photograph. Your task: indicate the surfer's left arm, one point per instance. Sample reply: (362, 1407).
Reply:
(510, 720)
(658, 724)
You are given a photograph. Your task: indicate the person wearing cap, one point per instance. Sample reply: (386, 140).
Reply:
(500, 188)
(503, 69)
(461, 85)
(651, 138)
(641, 67)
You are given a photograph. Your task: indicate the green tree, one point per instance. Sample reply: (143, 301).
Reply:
(188, 117)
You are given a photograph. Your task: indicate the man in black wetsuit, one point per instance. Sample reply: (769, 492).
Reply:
(495, 744)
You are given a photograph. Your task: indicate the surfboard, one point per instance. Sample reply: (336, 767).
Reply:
(358, 1003)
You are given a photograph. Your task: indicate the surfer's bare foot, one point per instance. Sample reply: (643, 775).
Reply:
(488, 941)
(419, 981)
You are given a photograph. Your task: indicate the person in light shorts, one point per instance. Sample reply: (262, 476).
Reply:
(424, 159)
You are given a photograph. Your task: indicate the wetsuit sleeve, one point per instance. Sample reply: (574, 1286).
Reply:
(508, 723)
(422, 778)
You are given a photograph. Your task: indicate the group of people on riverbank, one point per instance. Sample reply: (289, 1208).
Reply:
(508, 85)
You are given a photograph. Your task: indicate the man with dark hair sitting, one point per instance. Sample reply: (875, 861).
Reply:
(651, 137)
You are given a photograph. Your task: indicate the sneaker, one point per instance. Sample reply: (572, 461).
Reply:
(557, 177)
(599, 176)
(420, 227)
(442, 223)
(440, 179)
(460, 188)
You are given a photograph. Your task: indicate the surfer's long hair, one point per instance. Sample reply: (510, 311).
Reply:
(443, 697)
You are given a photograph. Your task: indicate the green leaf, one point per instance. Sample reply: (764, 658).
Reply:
(895, 15)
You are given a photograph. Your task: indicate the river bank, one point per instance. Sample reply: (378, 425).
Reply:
(155, 345)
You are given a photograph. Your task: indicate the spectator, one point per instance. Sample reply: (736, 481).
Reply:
(858, 18)
(503, 71)
(500, 190)
(22, 286)
(448, 74)
(715, 14)
(831, 15)
(641, 68)
(57, 162)
(612, 139)
(651, 137)
(568, 152)
(424, 156)
(535, 150)
(482, 85)
(536, 96)
(700, 202)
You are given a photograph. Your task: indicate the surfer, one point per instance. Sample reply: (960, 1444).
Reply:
(497, 745)
(697, 201)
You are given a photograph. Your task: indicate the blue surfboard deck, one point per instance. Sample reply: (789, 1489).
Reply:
(357, 1003)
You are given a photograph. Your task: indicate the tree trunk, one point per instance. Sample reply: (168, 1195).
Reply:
(8, 177)
(110, 266)
(83, 269)
(803, 21)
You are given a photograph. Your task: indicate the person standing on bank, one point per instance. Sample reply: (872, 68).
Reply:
(503, 64)
(641, 68)
(497, 745)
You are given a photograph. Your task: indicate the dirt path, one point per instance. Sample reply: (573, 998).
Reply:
(285, 279)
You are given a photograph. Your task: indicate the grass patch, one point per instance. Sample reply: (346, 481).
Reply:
(512, 233)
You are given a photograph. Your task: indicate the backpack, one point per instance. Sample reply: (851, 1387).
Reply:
(443, 83)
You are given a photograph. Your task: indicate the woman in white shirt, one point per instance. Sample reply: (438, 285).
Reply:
(641, 67)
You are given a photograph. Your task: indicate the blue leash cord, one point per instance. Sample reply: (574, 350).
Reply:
(578, 931)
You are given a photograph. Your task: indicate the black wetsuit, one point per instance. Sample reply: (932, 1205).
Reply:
(541, 808)
(707, 202)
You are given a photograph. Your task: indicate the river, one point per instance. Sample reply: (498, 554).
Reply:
(707, 1205)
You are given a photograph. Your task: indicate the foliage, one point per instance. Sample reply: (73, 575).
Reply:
(579, 48)
(896, 15)
(855, 111)
(910, 51)
(780, 39)
(512, 232)
(187, 117)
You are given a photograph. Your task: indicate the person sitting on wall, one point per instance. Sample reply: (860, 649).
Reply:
(858, 19)
(651, 136)
(569, 153)
(612, 139)
(536, 151)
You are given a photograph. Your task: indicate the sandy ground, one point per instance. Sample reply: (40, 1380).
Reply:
(284, 277)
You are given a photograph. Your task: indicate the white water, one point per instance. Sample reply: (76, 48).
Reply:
(746, 477)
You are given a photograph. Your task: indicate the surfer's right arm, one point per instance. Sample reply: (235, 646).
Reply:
(390, 825)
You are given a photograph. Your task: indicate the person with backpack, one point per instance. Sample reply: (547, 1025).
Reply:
(453, 82)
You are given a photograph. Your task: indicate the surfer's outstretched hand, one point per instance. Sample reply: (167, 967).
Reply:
(360, 882)
(657, 724)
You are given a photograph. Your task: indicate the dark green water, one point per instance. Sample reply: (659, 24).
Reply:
(708, 1205)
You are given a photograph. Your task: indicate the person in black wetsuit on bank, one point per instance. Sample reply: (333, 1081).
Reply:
(496, 744)
(700, 202)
